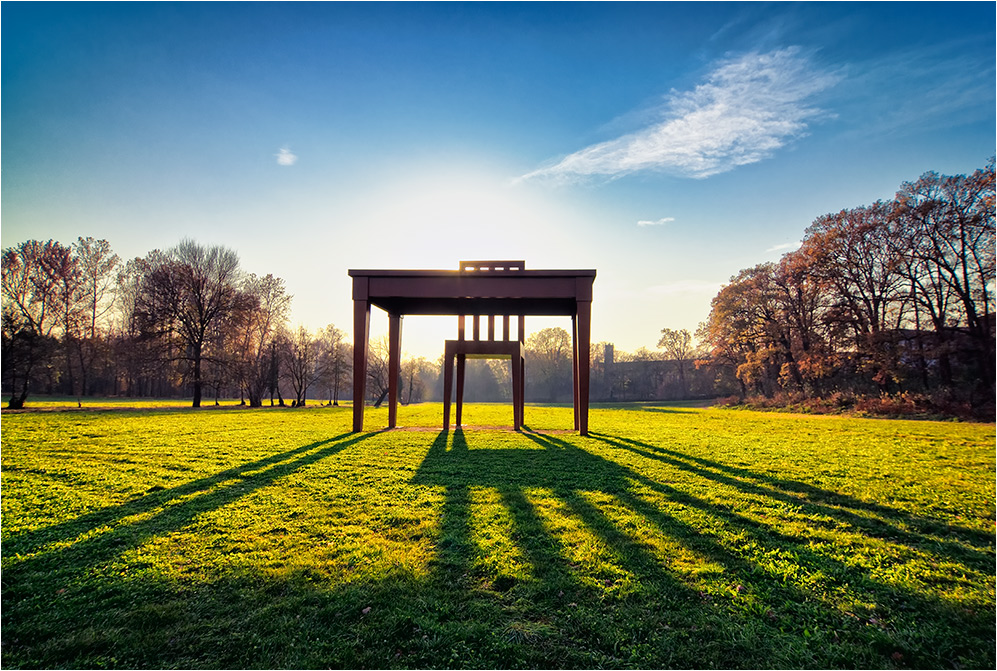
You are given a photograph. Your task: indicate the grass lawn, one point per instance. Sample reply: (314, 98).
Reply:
(670, 537)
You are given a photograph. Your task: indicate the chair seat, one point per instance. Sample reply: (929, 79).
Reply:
(490, 348)
(484, 349)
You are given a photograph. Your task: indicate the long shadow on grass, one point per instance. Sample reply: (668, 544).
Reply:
(816, 494)
(508, 471)
(30, 541)
(926, 534)
(459, 616)
(205, 495)
(777, 607)
(801, 546)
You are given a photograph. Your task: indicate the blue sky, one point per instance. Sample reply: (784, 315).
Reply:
(667, 145)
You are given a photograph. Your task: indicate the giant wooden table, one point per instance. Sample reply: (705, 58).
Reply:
(452, 292)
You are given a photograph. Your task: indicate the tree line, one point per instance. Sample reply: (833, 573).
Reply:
(190, 322)
(888, 299)
(892, 298)
(79, 321)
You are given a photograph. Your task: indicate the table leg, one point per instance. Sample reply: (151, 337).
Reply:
(574, 368)
(394, 366)
(584, 329)
(361, 332)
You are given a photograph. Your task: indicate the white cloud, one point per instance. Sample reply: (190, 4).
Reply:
(785, 245)
(747, 108)
(659, 222)
(285, 157)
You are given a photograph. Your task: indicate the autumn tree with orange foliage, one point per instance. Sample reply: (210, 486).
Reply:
(887, 298)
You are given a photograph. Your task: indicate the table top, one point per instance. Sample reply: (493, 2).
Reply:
(464, 273)
(455, 292)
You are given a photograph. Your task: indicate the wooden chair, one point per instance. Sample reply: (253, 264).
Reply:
(489, 348)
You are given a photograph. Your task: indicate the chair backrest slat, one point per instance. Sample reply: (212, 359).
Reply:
(491, 267)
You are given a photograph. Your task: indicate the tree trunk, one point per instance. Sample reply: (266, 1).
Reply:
(70, 384)
(17, 400)
(380, 399)
(84, 364)
(197, 376)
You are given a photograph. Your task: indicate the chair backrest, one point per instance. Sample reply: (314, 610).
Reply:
(492, 267)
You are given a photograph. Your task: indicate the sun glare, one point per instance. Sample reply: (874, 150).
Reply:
(443, 217)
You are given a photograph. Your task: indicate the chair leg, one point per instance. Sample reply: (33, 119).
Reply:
(460, 385)
(447, 389)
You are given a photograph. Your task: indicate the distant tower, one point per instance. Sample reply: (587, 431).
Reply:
(607, 356)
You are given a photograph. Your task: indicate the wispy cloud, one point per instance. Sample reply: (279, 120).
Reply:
(920, 90)
(747, 108)
(659, 222)
(285, 157)
(785, 245)
(685, 287)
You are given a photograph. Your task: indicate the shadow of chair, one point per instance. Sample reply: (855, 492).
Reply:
(489, 348)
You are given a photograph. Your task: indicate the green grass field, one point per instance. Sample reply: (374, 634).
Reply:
(670, 537)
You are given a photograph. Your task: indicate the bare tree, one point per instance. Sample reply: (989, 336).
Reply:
(187, 293)
(31, 302)
(851, 254)
(548, 353)
(947, 224)
(138, 359)
(266, 305)
(65, 269)
(427, 376)
(95, 266)
(677, 345)
(302, 353)
(377, 371)
(335, 356)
